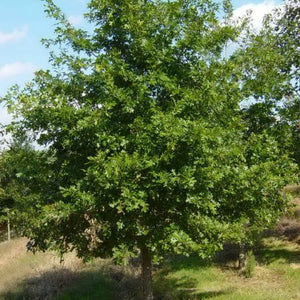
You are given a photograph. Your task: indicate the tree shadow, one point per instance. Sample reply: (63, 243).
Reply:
(192, 262)
(99, 282)
(45, 285)
(184, 286)
(210, 294)
(105, 281)
(268, 255)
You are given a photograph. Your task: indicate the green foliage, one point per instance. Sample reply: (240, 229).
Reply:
(6, 199)
(12, 165)
(288, 36)
(144, 139)
(271, 78)
(23, 176)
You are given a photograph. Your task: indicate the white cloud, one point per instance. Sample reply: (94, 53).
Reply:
(75, 20)
(14, 36)
(258, 10)
(15, 69)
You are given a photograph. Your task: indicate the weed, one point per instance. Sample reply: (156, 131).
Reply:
(250, 264)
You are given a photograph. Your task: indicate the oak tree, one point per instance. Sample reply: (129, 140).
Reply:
(146, 152)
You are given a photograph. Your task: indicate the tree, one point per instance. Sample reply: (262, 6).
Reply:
(271, 78)
(287, 30)
(146, 151)
(22, 175)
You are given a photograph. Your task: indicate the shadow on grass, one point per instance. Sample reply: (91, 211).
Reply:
(210, 294)
(179, 279)
(184, 289)
(105, 281)
(99, 282)
(269, 256)
(193, 262)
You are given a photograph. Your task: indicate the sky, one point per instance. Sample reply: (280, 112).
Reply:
(23, 24)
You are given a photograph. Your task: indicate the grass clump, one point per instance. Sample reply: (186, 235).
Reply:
(250, 264)
(292, 189)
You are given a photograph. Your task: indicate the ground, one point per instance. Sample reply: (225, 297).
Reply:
(24, 275)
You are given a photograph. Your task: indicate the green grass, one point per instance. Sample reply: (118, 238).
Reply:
(92, 285)
(209, 282)
(276, 277)
(181, 278)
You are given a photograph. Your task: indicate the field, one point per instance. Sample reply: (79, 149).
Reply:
(27, 276)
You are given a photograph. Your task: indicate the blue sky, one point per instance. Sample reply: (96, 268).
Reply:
(23, 24)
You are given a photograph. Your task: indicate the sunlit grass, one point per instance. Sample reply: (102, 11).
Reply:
(276, 277)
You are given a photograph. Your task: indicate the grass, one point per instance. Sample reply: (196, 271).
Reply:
(293, 189)
(24, 275)
(189, 278)
(27, 276)
(223, 283)
(92, 285)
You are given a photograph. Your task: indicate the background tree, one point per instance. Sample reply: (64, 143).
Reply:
(22, 177)
(10, 161)
(288, 42)
(146, 151)
(271, 78)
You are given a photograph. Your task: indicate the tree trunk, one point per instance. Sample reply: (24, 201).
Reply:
(242, 258)
(146, 263)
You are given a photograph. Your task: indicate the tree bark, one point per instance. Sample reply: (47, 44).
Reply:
(242, 258)
(146, 263)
